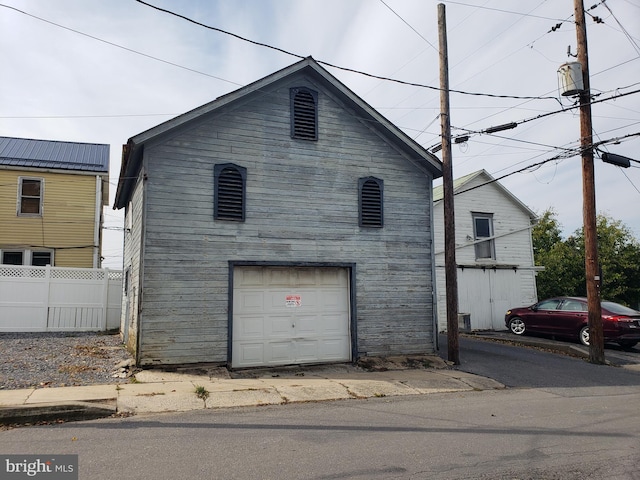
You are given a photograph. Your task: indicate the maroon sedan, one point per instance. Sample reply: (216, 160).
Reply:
(568, 317)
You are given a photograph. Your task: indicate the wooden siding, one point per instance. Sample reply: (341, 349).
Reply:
(132, 254)
(67, 223)
(301, 206)
(513, 246)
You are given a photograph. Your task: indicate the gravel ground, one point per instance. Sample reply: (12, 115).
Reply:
(60, 359)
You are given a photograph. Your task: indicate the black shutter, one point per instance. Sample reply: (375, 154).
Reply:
(304, 114)
(229, 192)
(370, 200)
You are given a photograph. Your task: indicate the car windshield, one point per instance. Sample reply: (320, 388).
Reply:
(619, 309)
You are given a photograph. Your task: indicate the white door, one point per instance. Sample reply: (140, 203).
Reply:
(474, 296)
(487, 295)
(290, 315)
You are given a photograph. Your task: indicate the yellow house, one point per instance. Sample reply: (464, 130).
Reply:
(51, 199)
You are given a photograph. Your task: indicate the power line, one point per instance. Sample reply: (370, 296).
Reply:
(543, 115)
(409, 25)
(481, 7)
(120, 46)
(346, 69)
(624, 30)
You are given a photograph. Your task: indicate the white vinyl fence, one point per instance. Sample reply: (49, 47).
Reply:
(50, 299)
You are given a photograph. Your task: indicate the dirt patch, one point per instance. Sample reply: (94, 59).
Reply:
(403, 362)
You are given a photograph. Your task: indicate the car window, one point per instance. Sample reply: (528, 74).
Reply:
(574, 306)
(619, 309)
(548, 304)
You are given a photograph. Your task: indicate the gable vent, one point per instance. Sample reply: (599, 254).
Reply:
(371, 202)
(230, 192)
(304, 113)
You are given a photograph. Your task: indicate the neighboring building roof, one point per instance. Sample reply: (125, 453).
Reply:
(459, 183)
(49, 154)
(132, 153)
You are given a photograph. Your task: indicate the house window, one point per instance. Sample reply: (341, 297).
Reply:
(41, 259)
(30, 196)
(304, 113)
(370, 202)
(229, 196)
(27, 257)
(12, 258)
(483, 228)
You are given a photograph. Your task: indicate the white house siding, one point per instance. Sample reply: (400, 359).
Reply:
(487, 294)
(301, 207)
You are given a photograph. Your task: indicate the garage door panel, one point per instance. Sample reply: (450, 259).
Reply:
(334, 299)
(307, 350)
(334, 324)
(278, 277)
(334, 277)
(301, 315)
(278, 326)
(249, 301)
(279, 353)
(335, 348)
(251, 327)
(306, 325)
(306, 276)
(249, 353)
(248, 278)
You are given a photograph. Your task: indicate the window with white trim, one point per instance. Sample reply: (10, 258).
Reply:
(36, 258)
(483, 228)
(30, 196)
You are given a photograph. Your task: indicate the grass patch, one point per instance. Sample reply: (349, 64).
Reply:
(201, 392)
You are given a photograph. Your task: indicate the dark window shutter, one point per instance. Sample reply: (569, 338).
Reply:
(229, 201)
(304, 114)
(370, 202)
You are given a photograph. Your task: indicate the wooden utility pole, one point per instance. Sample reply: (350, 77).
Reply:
(596, 336)
(451, 273)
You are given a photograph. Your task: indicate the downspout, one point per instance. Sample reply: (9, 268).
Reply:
(97, 224)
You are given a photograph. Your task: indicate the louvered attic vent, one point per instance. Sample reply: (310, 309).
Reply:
(304, 114)
(229, 192)
(370, 199)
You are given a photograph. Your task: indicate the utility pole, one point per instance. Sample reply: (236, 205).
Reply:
(596, 335)
(451, 273)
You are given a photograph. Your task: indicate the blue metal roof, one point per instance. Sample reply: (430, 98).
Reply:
(24, 152)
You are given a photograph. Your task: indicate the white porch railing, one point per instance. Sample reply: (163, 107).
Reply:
(48, 299)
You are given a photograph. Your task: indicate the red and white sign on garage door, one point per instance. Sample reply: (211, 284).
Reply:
(293, 300)
(273, 326)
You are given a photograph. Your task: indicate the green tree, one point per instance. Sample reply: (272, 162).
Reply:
(557, 256)
(564, 273)
(619, 257)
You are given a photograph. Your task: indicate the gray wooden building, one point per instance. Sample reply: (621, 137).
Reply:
(286, 222)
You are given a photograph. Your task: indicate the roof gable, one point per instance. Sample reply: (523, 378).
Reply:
(460, 183)
(132, 152)
(49, 154)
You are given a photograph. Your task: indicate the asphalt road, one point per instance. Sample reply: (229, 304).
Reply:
(517, 366)
(565, 419)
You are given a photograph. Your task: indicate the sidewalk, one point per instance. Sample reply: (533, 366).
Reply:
(158, 391)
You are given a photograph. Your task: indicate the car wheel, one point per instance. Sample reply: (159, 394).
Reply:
(584, 336)
(517, 326)
(626, 344)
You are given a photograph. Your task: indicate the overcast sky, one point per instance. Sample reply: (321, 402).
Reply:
(102, 71)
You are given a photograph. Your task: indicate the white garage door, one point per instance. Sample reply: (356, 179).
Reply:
(285, 315)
